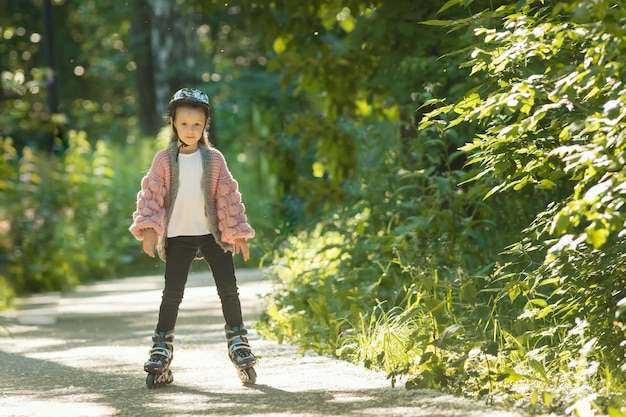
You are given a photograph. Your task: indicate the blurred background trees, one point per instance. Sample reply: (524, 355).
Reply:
(436, 187)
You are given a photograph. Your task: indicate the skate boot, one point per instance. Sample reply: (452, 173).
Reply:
(161, 355)
(240, 353)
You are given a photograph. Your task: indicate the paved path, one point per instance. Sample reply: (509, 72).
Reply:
(88, 362)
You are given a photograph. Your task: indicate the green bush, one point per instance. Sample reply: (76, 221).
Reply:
(550, 117)
(403, 233)
(419, 276)
(64, 218)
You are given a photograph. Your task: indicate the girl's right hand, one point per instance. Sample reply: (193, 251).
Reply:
(149, 242)
(241, 245)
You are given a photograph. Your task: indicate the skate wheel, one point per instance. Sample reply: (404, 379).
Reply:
(159, 380)
(247, 376)
(150, 381)
(169, 377)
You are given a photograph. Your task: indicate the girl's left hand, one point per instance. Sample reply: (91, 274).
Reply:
(241, 245)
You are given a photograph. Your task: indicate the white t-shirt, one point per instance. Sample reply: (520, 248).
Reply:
(188, 214)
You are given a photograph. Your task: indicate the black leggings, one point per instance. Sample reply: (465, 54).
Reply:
(180, 253)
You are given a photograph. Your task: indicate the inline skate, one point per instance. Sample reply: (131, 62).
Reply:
(240, 353)
(161, 355)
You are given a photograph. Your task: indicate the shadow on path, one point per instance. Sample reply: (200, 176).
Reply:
(89, 363)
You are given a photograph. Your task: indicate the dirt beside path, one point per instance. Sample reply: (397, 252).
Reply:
(86, 359)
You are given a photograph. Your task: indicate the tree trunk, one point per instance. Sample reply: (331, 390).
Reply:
(149, 119)
(57, 139)
(174, 46)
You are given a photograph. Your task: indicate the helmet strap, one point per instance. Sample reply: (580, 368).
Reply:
(181, 144)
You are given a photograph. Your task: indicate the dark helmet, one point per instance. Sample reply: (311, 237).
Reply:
(189, 96)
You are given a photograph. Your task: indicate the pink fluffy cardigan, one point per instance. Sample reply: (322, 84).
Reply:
(224, 209)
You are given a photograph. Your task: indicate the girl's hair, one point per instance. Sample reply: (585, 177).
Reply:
(171, 116)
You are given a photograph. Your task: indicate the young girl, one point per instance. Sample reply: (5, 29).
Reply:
(189, 207)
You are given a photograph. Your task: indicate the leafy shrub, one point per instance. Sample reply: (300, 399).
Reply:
(65, 218)
(550, 116)
(409, 251)
(498, 297)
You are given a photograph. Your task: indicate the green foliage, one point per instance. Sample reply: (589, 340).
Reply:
(65, 218)
(492, 279)
(346, 60)
(405, 234)
(550, 112)
(406, 237)
(93, 75)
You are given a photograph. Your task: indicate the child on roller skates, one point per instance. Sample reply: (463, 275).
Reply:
(189, 207)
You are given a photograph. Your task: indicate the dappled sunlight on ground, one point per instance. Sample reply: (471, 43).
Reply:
(89, 362)
(25, 407)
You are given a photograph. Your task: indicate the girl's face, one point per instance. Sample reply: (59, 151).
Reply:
(190, 123)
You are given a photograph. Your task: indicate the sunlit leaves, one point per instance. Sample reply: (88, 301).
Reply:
(279, 45)
(551, 115)
(574, 93)
(76, 201)
(346, 21)
(318, 170)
